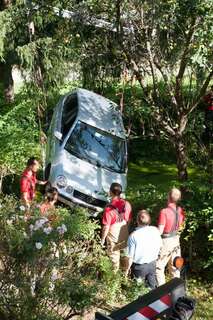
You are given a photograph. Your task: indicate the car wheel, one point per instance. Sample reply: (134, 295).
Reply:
(48, 186)
(47, 171)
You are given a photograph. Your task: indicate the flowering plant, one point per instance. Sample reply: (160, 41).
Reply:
(47, 265)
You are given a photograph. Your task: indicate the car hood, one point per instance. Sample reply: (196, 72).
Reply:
(87, 177)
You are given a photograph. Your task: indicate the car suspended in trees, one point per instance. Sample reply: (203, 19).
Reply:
(86, 149)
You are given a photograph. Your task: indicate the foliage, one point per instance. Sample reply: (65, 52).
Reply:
(42, 263)
(161, 60)
(53, 267)
(39, 42)
(128, 40)
(4, 25)
(202, 291)
(199, 225)
(19, 134)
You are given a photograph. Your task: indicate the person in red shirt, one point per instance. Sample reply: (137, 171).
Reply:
(116, 218)
(28, 181)
(170, 222)
(50, 199)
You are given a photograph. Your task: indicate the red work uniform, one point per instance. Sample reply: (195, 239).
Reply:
(110, 216)
(171, 218)
(28, 183)
(167, 218)
(117, 215)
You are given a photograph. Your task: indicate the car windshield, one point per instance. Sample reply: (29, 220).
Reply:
(98, 147)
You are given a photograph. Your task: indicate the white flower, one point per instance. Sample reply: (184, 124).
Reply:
(33, 286)
(9, 222)
(31, 226)
(47, 230)
(39, 223)
(38, 245)
(54, 276)
(13, 218)
(64, 249)
(51, 287)
(54, 245)
(139, 280)
(62, 229)
(1, 206)
(22, 208)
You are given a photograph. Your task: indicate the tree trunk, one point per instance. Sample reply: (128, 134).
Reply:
(4, 4)
(7, 81)
(210, 165)
(181, 157)
(6, 68)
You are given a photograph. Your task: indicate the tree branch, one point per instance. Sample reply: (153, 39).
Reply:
(202, 91)
(156, 114)
(136, 72)
(183, 64)
(184, 57)
(151, 63)
(163, 124)
(169, 88)
(183, 123)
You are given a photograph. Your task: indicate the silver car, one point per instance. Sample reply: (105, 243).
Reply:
(86, 149)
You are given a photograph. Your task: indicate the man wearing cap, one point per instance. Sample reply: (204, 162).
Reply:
(117, 215)
(170, 221)
(143, 248)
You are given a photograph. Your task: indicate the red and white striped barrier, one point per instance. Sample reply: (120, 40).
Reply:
(155, 305)
(152, 310)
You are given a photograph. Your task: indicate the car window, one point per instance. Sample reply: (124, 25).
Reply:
(69, 114)
(98, 147)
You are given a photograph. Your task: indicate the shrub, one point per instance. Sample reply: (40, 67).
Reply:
(19, 135)
(47, 268)
(54, 268)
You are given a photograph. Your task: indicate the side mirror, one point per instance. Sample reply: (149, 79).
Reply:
(58, 135)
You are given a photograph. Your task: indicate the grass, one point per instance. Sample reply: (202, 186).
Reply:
(152, 172)
(202, 292)
(160, 174)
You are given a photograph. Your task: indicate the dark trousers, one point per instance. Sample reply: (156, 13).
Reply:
(208, 115)
(146, 271)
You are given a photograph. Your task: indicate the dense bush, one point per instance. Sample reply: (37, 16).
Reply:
(19, 133)
(198, 234)
(42, 263)
(54, 268)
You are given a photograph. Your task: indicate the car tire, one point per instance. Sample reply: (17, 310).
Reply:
(47, 171)
(48, 186)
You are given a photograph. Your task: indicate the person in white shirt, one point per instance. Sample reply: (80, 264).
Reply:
(143, 249)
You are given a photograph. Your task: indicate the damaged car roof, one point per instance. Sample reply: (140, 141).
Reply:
(100, 112)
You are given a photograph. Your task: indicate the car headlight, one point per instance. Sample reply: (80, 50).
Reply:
(69, 189)
(61, 181)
